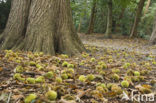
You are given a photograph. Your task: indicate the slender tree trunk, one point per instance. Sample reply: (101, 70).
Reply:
(109, 19)
(147, 6)
(92, 19)
(79, 27)
(137, 18)
(153, 36)
(41, 26)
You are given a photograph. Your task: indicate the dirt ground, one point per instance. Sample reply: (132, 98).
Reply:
(118, 42)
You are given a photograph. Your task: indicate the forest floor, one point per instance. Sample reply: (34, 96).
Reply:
(93, 77)
(119, 42)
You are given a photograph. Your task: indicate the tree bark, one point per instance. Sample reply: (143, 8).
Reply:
(137, 18)
(109, 19)
(92, 19)
(41, 26)
(147, 6)
(153, 36)
(79, 27)
(16, 24)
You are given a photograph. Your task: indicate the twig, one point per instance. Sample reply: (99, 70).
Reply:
(9, 97)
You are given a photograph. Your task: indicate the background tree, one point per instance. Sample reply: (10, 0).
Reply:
(153, 36)
(109, 19)
(147, 6)
(41, 26)
(92, 18)
(137, 18)
(122, 19)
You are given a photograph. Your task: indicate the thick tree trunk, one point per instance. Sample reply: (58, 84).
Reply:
(109, 19)
(41, 26)
(16, 24)
(92, 19)
(153, 36)
(137, 18)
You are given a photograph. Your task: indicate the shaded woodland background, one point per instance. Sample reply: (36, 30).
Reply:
(123, 15)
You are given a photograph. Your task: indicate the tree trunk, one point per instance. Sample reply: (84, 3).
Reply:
(16, 24)
(153, 36)
(92, 19)
(137, 18)
(41, 26)
(79, 27)
(109, 19)
(147, 6)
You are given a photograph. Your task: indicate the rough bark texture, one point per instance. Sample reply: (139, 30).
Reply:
(92, 18)
(16, 24)
(41, 26)
(109, 19)
(153, 36)
(137, 18)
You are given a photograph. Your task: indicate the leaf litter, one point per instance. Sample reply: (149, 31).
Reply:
(99, 76)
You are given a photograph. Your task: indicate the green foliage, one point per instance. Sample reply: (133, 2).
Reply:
(4, 12)
(81, 11)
